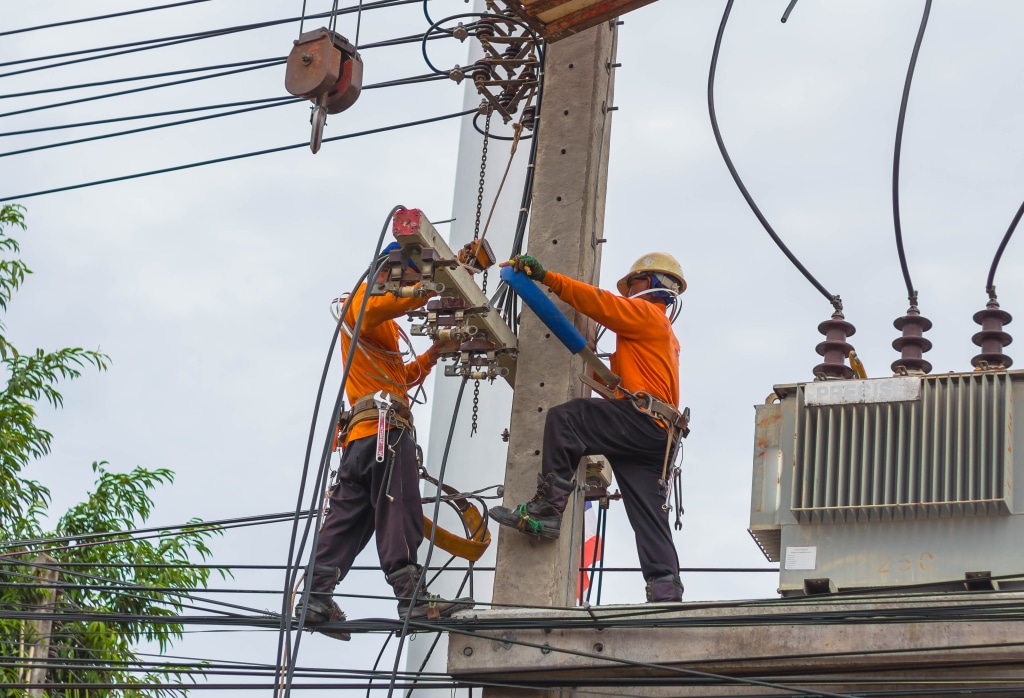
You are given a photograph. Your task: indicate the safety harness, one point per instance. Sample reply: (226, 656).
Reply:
(393, 410)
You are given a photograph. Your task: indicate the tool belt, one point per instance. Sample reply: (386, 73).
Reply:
(365, 409)
(672, 418)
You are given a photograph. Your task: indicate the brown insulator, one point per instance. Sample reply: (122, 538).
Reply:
(992, 339)
(481, 71)
(505, 99)
(512, 52)
(485, 27)
(834, 349)
(912, 345)
(529, 117)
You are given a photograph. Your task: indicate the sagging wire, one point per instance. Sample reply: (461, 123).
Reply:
(83, 20)
(433, 535)
(990, 283)
(833, 299)
(911, 291)
(295, 552)
(230, 158)
(147, 44)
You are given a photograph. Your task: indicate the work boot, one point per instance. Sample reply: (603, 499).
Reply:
(425, 606)
(664, 589)
(320, 608)
(542, 515)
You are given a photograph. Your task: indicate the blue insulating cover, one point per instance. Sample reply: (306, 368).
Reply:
(543, 307)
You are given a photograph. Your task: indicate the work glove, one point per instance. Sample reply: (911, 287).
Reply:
(530, 265)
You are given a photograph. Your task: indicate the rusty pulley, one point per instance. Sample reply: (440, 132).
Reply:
(326, 69)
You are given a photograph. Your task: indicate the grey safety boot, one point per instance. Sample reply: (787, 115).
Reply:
(542, 515)
(664, 589)
(430, 606)
(320, 607)
(320, 610)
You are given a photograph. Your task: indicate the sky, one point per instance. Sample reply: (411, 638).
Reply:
(210, 288)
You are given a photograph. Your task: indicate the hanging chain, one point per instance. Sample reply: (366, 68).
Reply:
(476, 236)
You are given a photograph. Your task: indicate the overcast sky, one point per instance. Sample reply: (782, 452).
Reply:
(210, 288)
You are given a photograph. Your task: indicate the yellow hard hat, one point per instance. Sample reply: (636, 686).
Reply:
(656, 263)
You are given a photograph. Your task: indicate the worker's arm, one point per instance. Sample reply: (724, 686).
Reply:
(380, 309)
(623, 316)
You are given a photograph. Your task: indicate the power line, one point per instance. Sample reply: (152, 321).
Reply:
(230, 158)
(735, 174)
(281, 102)
(148, 44)
(99, 17)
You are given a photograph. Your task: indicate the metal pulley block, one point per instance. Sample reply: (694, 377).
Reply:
(476, 359)
(326, 69)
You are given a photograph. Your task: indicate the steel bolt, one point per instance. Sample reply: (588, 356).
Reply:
(468, 651)
(306, 59)
(546, 649)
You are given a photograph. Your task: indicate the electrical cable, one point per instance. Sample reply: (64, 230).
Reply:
(911, 291)
(147, 44)
(152, 115)
(990, 283)
(433, 535)
(295, 551)
(834, 300)
(147, 88)
(280, 102)
(230, 158)
(135, 78)
(82, 20)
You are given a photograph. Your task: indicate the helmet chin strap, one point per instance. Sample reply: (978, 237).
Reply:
(671, 300)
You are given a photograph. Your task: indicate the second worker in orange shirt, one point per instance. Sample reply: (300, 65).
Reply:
(646, 358)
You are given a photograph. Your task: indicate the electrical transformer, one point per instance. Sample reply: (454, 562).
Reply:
(891, 482)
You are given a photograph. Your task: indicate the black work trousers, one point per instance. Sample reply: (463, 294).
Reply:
(634, 444)
(359, 507)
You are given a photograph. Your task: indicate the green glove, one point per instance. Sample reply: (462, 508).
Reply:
(531, 266)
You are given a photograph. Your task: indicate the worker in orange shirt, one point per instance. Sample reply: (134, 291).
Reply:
(646, 358)
(378, 481)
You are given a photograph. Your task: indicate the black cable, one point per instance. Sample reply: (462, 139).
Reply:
(735, 175)
(280, 102)
(295, 551)
(121, 93)
(229, 158)
(990, 284)
(789, 8)
(99, 17)
(136, 78)
(147, 44)
(911, 292)
(152, 115)
(433, 535)
(153, 127)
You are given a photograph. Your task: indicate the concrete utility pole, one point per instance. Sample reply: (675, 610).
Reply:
(37, 650)
(565, 234)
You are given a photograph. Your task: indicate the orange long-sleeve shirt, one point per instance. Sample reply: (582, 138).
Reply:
(378, 339)
(646, 349)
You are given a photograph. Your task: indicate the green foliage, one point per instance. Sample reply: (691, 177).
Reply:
(114, 590)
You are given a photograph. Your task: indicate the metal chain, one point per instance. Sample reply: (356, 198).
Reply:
(476, 236)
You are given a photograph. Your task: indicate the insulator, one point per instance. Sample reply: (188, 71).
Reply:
(485, 27)
(530, 117)
(912, 344)
(481, 71)
(992, 339)
(506, 97)
(834, 349)
(512, 52)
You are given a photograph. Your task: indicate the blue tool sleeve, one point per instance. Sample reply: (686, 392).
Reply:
(542, 306)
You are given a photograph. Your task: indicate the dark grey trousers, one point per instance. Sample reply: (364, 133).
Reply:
(635, 446)
(359, 507)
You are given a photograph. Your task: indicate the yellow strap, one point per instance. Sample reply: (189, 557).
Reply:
(471, 549)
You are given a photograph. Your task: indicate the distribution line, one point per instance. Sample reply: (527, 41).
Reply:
(280, 102)
(151, 115)
(147, 44)
(230, 158)
(82, 20)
